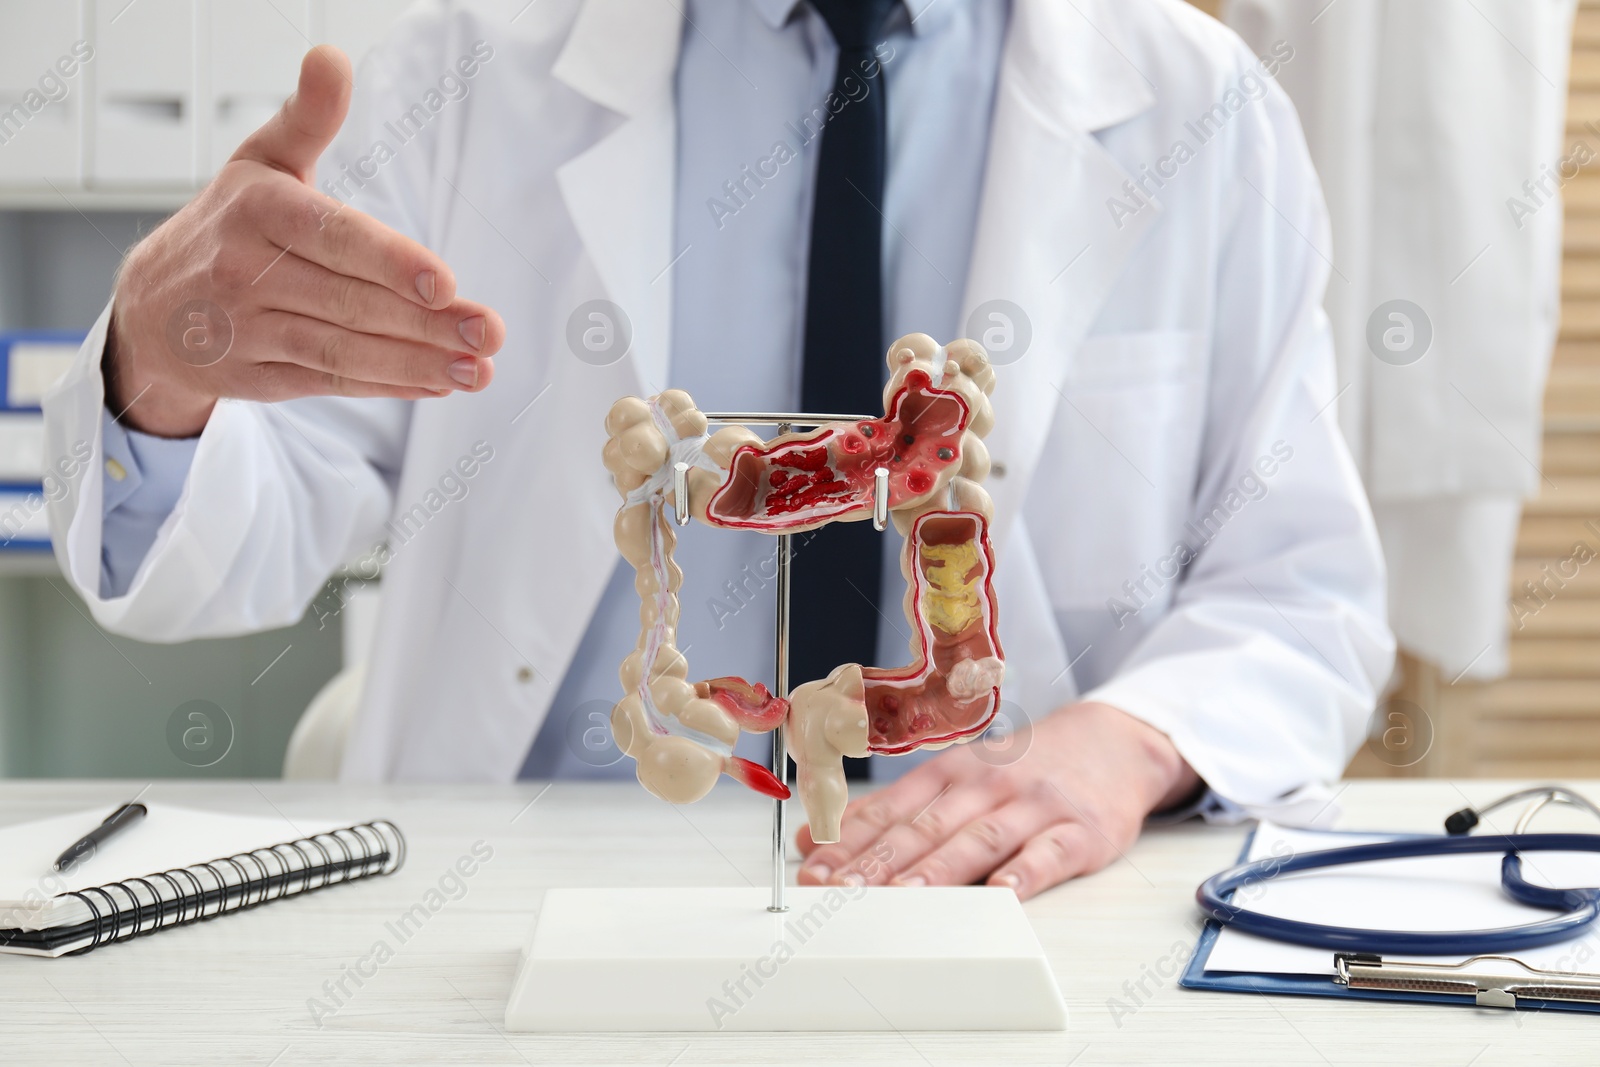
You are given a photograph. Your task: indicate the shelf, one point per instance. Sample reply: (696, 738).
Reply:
(62, 198)
(27, 562)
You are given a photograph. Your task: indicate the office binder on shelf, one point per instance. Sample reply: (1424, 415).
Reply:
(30, 362)
(178, 866)
(1460, 887)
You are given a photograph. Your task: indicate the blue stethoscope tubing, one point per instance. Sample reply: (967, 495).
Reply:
(1579, 907)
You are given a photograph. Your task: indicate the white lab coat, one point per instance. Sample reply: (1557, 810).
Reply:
(1173, 349)
(1425, 119)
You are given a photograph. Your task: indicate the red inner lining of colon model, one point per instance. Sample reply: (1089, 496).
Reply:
(827, 475)
(752, 706)
(952, 691)
(936, 699)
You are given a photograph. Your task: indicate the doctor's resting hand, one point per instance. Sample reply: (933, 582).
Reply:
(1072, 802)
(302, 295)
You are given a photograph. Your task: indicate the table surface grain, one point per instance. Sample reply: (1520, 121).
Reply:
(245, 989)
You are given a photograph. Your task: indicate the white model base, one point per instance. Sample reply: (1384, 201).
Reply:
(848, 958)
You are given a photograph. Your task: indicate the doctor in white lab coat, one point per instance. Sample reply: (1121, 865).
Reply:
(1191, 586)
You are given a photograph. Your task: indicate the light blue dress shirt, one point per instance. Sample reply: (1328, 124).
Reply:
(750, 75)
(153, 470)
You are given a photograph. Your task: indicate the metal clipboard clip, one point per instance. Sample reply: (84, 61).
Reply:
(1492, 981)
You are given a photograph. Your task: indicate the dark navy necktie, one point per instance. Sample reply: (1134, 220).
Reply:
(838, 570)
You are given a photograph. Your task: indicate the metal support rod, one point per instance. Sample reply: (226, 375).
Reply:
(784, 422)
(780, 750)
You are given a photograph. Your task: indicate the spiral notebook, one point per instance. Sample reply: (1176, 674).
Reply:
(177, 865)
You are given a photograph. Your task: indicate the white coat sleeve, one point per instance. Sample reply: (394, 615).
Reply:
(278, 496)
(1265, 669)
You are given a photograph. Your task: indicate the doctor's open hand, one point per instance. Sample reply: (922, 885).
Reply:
(263, 288)
(1073, 803)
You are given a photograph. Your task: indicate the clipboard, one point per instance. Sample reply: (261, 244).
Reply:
(1196, 976)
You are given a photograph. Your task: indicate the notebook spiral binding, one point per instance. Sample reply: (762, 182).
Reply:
(203, 891)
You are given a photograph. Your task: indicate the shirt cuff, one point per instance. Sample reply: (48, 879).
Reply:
(1208, 804)
(144, 479)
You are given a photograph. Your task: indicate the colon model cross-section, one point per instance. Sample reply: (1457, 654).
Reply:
(930, 440)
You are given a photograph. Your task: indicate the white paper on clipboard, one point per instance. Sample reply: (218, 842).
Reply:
(1424, 894)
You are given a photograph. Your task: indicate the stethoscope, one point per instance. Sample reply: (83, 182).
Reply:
(1579, 907)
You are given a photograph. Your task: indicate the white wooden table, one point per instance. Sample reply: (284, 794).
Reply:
(240, 990)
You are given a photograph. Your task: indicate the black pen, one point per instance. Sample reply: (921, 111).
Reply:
(85, 846)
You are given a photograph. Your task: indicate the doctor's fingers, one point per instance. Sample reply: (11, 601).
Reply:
(977, 849)
(313, 290)
(893, 851)
(364, 357)
(1053, 856)
(294, 138)
(323, 230)
(289, 381)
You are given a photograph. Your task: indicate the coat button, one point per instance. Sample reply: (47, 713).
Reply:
(997, 470)
(524, 674)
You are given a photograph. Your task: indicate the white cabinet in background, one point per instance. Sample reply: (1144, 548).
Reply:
(250, 51)
(136, 103)
(144, 128)
(43, 54)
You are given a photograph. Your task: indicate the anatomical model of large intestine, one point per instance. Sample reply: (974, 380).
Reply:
(930, 440)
